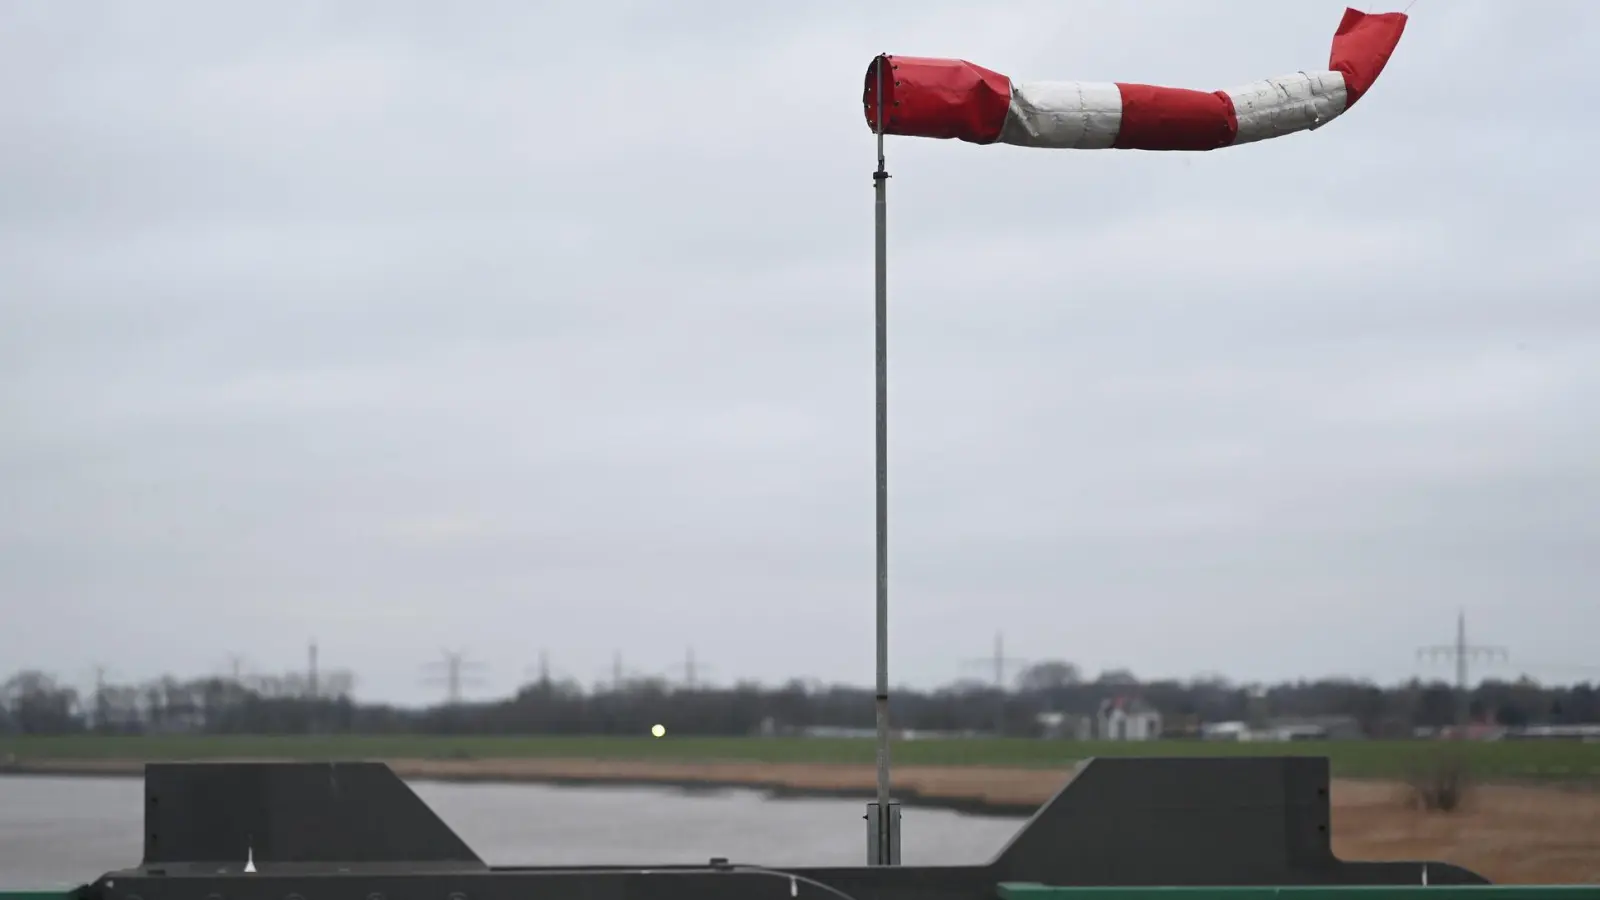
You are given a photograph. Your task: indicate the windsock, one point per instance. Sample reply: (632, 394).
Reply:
(952, 98)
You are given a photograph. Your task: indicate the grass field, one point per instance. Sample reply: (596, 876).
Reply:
(1553, 760)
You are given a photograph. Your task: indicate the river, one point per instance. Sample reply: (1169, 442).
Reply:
(59, 832)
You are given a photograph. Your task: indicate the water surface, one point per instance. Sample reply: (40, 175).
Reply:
(60, 832)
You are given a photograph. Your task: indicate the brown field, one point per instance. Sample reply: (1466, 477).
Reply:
(1511, 834)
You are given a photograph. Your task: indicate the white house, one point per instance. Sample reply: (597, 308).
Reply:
(1127, 719)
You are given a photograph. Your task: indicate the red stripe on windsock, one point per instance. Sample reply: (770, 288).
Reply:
(937, 98)
(1362, 47)
(1164, 118)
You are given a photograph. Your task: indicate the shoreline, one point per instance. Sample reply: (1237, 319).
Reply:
(1000, 792)
(976, 790)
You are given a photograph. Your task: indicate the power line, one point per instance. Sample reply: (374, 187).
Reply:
(235, 667)
(619, 673)
(311, 670)
(100, 673)
(454, 672)
(544, 674)
(691, 668)
(1463, 653)
(999, 661)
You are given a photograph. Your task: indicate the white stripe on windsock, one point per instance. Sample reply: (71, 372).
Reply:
(1077, 115)
(1277, 106)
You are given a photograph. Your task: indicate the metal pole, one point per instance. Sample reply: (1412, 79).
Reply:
(1463, 693)
(885, 832)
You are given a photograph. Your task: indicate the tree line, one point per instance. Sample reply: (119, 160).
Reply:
(34, 702)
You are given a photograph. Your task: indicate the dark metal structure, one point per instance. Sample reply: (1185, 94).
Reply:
(355, 831)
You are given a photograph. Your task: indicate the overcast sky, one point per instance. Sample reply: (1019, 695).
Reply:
(509, 326)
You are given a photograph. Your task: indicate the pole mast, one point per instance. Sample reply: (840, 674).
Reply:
(883, 817)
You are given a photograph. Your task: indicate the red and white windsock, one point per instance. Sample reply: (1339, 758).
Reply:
(952, 98)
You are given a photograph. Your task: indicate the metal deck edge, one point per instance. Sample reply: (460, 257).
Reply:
(1026, 891)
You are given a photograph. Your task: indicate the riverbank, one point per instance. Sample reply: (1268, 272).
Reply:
(975, 790)
(1513, 834)
(1008, 777)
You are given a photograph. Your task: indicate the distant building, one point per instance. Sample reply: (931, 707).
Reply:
(1065, 726)
(1587, 733)
(1127, 719)
(837, 731)
(1288, 728)
(1224, 731)
(1474, 731)
(1312, 728)
(770, 728)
